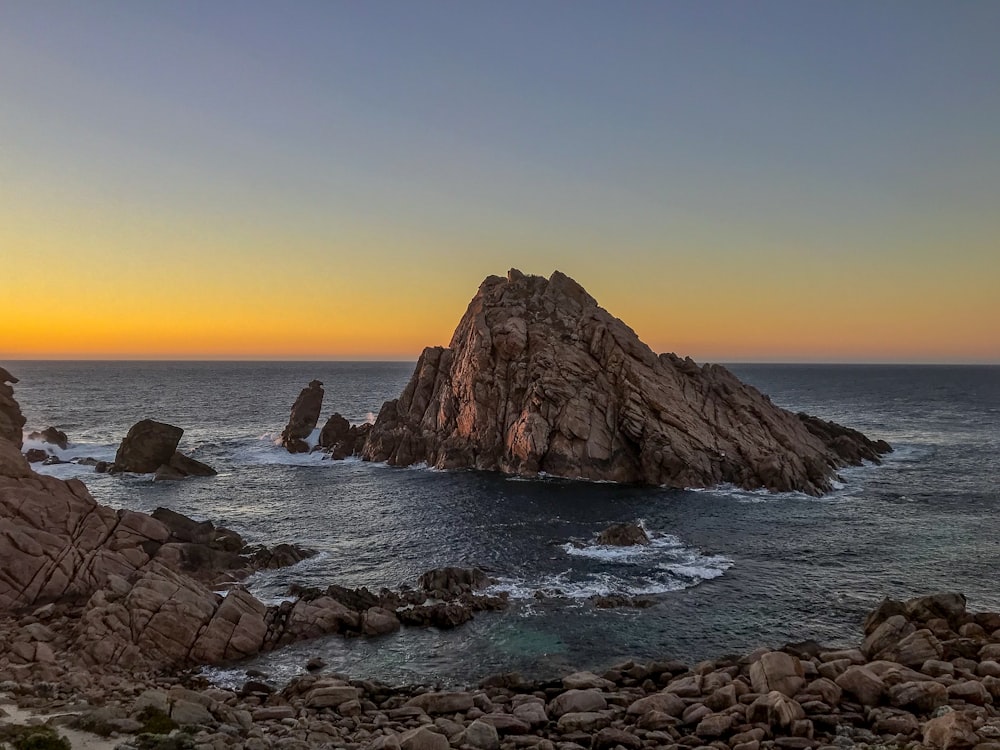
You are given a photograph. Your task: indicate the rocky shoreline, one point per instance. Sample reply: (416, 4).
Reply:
(927, 674)
(104, 614)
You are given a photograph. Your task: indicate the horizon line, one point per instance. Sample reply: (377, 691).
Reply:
(413, 360)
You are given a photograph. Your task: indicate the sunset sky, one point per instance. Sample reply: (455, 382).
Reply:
(738, 181)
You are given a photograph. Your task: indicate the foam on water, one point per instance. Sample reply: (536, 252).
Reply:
(664, 565)
(71, 455)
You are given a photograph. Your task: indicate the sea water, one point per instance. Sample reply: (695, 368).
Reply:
(729, 569)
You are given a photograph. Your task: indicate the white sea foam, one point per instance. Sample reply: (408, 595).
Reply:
(72, 454)
(669, 565)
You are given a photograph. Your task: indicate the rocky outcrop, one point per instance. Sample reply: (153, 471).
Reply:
(303, 419)
(341, 438)
(57, 543)
(150, 447)
(623, 535)
(52, 436)
(538, 379)
(11, 418)
(147, 446)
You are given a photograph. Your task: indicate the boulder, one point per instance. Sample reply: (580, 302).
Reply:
(922, 697)
(779, 671)
(147, 446)
(379, 621)
(423, 738)
(577, 701)
(341, 438)
(189, 467)
(623, 535)
(303, 419)
(775, 709)
(56, 437)
(862, 683)
(667, 703)
(453, 581)
(950, 731)
(481, 735)
(442, 702)
(539, 379)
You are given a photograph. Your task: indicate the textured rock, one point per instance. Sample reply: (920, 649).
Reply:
(538, 378)
(147, 446)
(950, 731)
(667, 703)
(341, 438)
(623, 535)
(52, 436)
(577, 701)
(11, 418)
(442, 702)
(303, 419)
(779, 671)
(866, 686)
(453, 581)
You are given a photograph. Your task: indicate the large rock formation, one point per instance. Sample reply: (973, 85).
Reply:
(11, 419)
(539, 379)
(303, 419)
(151, 446)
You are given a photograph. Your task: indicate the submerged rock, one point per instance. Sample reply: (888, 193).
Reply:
(539, 379)
(303, 419)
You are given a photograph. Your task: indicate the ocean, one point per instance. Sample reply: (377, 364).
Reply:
(730, 570)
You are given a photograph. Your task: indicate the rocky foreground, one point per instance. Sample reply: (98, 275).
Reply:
(539, 379)
(927, 674)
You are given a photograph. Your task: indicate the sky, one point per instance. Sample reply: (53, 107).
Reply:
(765, 181)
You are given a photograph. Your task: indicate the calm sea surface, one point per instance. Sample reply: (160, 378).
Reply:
(731, 570)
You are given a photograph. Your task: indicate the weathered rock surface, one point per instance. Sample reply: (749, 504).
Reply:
(623, 535)
(303, 419)
(341, 438)
(150, 447)
(539, 379)
(52, 436)
(11, 418)
(147, 446)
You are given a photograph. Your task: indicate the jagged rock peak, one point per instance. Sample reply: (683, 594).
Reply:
(538, 378)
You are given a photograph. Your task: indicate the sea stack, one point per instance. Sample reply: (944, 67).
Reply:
(539, 379)
(303, 419)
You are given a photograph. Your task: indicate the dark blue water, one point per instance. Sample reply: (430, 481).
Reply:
(731, 570)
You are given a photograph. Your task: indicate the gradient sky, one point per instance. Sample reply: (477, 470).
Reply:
(791, 181)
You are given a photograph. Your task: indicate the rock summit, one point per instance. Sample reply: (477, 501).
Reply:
(540, 380)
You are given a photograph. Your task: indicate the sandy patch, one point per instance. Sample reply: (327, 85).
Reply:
(78, 739)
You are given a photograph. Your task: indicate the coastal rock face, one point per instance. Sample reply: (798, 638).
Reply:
(11, 418)
(539, 379)
(303, 419)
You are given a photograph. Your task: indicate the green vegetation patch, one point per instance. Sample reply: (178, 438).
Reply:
(32, 737)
